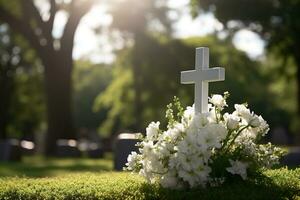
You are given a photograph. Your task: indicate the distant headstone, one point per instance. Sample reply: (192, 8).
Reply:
(124, 145)
(27, 147)
(90, 148)
(94, 147)
(95, 150)
(292, 159)
(10, 150)
(67, 148)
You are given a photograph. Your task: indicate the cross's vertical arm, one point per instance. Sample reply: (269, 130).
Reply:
(201, 87)
(201, 76)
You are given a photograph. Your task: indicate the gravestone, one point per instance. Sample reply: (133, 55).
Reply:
(95, 150)
(94, 147)
(124, 145)
(10, 150)
(90, 148)
(292, 159)
(67, 148)
(27, 147)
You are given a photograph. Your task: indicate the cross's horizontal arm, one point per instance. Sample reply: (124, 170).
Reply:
(207, 75)
(213, 74)
(188, 77)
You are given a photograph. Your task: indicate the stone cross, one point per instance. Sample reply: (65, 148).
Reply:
(200, 77)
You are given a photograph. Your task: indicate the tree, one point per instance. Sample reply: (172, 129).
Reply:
(9, 52)
(55, 54)
(22, 106)
(27, 113)
(137, 22)
(277, 22)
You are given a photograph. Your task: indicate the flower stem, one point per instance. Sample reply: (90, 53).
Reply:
(216, 113)
(226, 139)
(234, 138)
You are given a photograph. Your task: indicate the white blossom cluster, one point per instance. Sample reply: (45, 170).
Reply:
(203, 149)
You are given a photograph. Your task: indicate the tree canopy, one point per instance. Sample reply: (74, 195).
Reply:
(28, 20)
(277, 22)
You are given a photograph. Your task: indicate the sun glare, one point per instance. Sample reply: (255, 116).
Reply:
(97, 48)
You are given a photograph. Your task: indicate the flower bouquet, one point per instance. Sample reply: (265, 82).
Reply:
(203, 149)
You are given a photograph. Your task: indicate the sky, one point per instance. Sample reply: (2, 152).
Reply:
(97, 49)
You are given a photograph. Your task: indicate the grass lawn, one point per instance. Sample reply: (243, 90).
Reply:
(49, 167)
(60, 179)
(276, 184)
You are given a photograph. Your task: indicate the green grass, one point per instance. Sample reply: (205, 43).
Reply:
(39, 178)
(274, 184)
(49, 167)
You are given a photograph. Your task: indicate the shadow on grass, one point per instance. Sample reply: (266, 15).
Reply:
(262, 187)
(41, 167)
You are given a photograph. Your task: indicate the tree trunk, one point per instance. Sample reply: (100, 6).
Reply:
(298, 88)
(297, 61)
(58, 71)
(137, 79)
(6, 92)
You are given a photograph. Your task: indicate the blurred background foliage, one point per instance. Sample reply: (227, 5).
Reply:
(135, 88)
(163, 60)
(89, 80)
(21, 90)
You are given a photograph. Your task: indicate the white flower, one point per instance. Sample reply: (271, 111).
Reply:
(214, 134)
(200, 120)
(188, 114)
(249, 147)
(203, 173)
(173, 134)
(211, 115)
(254, 121)
(249, 133)
(201, 140)
(218, 130)
(242, 111)
(183, 154)
(132, 160)
(232, 121)
(147, 147)
(264, 126)
(218, 101)
(183, 146)
(164, 149)
(239, 168)
(152, 130)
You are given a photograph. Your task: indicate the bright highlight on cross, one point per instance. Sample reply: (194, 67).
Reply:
(201, 76)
